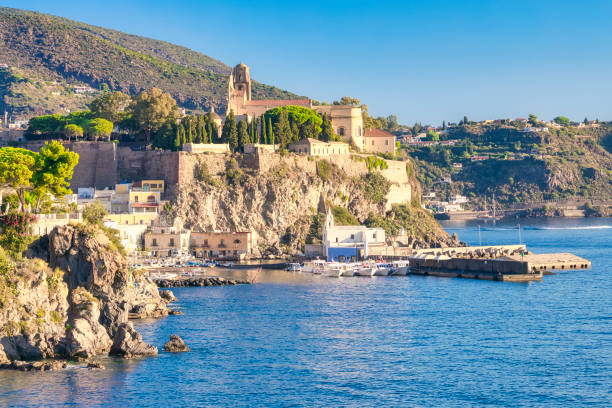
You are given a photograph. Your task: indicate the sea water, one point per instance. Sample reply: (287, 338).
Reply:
(295, 340)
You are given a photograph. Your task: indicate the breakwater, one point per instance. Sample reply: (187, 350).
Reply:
(197, 282)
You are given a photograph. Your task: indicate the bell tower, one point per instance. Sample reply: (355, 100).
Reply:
(239, 91)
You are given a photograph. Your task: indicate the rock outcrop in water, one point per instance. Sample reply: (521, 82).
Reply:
(175, 345)
(72, 299)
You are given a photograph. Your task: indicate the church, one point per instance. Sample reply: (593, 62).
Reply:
(346, 120)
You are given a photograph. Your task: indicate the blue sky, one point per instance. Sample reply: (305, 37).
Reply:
(424, 61)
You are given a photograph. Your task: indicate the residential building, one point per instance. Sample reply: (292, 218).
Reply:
(166, 241)
(223, 245)
(314, 147)
(345, 242)
(458, 199)
(429, 196)
(379, 141)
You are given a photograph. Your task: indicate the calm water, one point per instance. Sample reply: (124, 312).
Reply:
(291, 340)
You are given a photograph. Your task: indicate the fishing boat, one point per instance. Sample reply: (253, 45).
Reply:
(399, 268)
(315, 267)
(294, 267)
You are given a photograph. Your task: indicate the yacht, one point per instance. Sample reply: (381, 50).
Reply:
(315, 267)
(399, 268)
(294, 267)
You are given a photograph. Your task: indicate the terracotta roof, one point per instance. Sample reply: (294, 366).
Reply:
(280, 102)
(377, 133)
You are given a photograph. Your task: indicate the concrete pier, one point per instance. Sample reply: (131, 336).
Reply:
(514, 267)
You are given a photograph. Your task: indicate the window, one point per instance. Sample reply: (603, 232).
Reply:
(386, 143)
(372, 143)
(341, 131)
(374, 235)
(154, 243)
(171, 242)
(205, 244)
(141, 222)
(151, 199)
(352, 236)
(336, 239)
(135, 199)
(236, 241)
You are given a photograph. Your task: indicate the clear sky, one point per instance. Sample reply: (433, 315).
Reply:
(421, 60)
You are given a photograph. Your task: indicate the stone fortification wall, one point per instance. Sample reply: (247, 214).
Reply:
(97, 165)
(103, 164)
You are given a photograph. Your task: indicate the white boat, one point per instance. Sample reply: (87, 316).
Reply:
(315, 267)
(381, 269)
(399, 268)
(294, 267)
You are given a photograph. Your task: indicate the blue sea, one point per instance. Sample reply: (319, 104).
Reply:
(295, 340)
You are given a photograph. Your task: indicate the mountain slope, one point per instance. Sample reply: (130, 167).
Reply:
(58, 49)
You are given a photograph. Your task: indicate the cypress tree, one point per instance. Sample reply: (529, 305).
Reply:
(252, 131)
(263, 134)
(270, 131)
(177, 138)
(189, 132)
(243, 134)
(327, 131)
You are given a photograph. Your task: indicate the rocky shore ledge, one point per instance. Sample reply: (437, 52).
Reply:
(203, 281)
(70, 299)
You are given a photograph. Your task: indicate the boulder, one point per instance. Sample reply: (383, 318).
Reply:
(85, 336)
(167, 295)
(175, 345)
(94, 365)
(128, 343)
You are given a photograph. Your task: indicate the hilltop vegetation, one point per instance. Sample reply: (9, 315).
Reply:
(58, 50)
(525, 162)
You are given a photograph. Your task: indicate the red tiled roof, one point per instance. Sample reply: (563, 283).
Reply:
(377, 133)
(280, 102)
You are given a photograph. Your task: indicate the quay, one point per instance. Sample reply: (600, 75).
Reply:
(515, 267)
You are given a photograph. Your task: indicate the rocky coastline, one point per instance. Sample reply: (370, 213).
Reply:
(196, 282)
(70, 299)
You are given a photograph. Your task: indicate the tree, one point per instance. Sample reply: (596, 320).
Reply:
(432, 136)
(54, 168)
(110, 106)
(270, 132)
(243, 134)
(443, 125)
(94, 213)
(327, 131)
(229, 134)
(73, 131)
(46, 125)
(100, 128)
(282, 128)
(533, 119)
(33, 175)
(177, 138)
(465, 120)
(562, 120)
(150, 109)
(347, 100)
(17, 167)
(417, 128)
(586, 121)
(308, 130)
(392, 123)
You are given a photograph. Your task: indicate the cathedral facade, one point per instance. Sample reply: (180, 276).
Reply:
(346, 120)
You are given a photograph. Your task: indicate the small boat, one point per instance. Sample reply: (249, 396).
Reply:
(294, 267)
(399, 268)
(315, 267)
(381, 269)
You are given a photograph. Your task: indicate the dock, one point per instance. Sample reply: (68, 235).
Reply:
(513, 267)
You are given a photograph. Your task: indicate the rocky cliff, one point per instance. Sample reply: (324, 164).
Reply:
(284, 199)
(72, 298)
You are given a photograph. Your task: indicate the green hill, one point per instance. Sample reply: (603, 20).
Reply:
(53, 51)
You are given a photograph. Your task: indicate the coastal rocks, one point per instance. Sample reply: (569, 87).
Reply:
(128, 343)
(94, 365)
(194, 282)
(33, 366)
(175, 345)
(167, 295)
(85, 336)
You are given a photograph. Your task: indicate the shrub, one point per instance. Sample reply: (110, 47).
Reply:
(343, 217)
(94, 213)
(374, 163)
(375, 186)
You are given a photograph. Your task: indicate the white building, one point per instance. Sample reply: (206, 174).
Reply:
(346, 241)
(458, 199)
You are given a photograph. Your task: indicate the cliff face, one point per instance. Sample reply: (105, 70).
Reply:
(72, 299)
(283, 201)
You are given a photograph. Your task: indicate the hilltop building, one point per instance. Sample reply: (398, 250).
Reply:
(379, 141)
(346, 120)
(314, 147)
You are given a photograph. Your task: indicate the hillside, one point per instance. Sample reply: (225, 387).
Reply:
(52, 49)
(522, 165)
